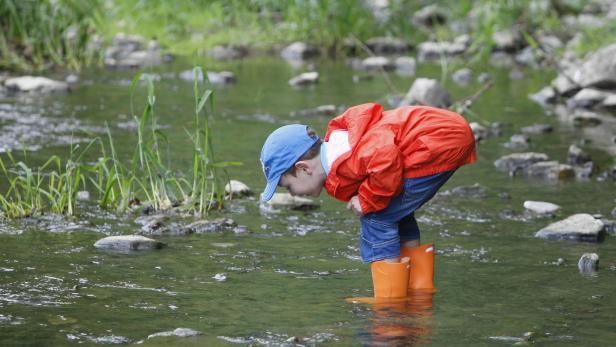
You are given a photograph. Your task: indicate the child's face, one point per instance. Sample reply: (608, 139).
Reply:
(304, 183)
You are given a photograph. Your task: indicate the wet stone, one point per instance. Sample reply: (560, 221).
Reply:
(587, 98)
(517, 142)
(377, 64)
(34, 84)
(586, 119)
(128, 243)
(544, 97)
(227, 52)
(462, 77)
(323, 110)
(237, 188)
(576, 156)
(129, 51)
(304, 79)
(430, 15)
(387, 45)
(210, 226)
(578, 227)
(425, 91)
(537, 129)
(298, 51)
(551, 170)
(517, 161)
(179, 332)
(541, 207)
(507, 40)
(588, 263)
(405, 66)
(473, 191)
(484, 77)
(282, 201)
(83, 195)
(434, 51)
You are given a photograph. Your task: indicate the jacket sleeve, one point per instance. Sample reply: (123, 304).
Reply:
(382, 161)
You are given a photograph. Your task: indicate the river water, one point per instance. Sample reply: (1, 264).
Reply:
(285, 280)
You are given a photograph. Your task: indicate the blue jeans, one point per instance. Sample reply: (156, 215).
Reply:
(382, 231)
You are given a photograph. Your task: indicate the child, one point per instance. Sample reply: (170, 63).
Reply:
(385, 165)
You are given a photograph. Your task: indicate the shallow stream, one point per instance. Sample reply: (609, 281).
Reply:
(285, 280)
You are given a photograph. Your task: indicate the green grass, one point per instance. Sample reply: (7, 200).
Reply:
(149, 179)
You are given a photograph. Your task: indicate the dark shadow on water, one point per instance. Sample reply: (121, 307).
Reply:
(400, 323)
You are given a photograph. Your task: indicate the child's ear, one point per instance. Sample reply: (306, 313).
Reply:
(303, 165)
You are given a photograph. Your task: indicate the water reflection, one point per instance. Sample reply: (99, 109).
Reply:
(405, 322)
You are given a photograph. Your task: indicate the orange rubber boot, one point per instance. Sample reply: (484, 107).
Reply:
(390, 280)
(421, 275)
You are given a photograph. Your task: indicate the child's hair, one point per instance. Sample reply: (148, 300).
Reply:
(310, 153)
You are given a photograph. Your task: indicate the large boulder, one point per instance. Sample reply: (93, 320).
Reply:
(34, 84)
(517, 161)
(429, 92)
(128, 243)
(579, 227)
(598, 69)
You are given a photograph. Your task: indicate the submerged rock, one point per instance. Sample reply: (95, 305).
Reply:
(551, 170)
(128, 243)
(588, 263)
(541, 207)
(209, 226)
(518, 161)
(517, 142)
(473, 191)
(281, 201)
(298, 51)
(429, 92)
(179, 332)
(34, 84)
(463, 76)
(576, 156)
(387, 45)
(579, 227)
(304, 79)
(537, 129)
(237, 188)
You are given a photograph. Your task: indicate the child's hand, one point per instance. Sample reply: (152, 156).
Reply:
(354, 206)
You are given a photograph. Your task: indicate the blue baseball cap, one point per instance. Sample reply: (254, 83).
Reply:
(281, 150)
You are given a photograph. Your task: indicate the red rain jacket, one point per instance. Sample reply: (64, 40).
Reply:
(387, 147)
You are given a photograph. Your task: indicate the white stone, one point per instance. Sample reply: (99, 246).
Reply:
(541, 207)
(127, 243)
(377, 63)
(428, 92)
(237, 188)
(287, 201)
(581, 226)
(35, 84)
(179, 332)
(305, 78)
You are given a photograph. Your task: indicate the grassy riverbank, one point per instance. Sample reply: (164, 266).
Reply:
(37, 36)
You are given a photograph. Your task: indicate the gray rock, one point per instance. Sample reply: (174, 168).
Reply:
(237, 188)
(432, 51)
(304, 79)
(584, 171)
(34, 84)
(215, 78)
(587, 98)
(516, 74)
(298, 51)
(609, 102)
(549, 43)
(210, 226)
(479, 131)
(537, 129)
(507, 40)
(576, 156)
(128, 243)
(129, 52)
(517, 161)
(405, 66)
(71, 79)
(598, 69)
(323, 110)
(588, 263)
(227, 52)
(484, 77)
(579, 227)
(541, 207)
(613, 213)
(526, 56)
(545, 96)
(387, 45)
(179, 332)
(282, 201)
(473, 191)
(586, 119)
(551, 170)
(463, 76)
(379, 8)
(564, 84)
(377, 64)
(430, 15)
(429, 92)
(517, 142)
(83, 195)
(157, 218)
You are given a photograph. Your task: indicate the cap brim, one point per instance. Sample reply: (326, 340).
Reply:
(269, 190)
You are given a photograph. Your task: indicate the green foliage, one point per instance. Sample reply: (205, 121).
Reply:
(37, 34)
